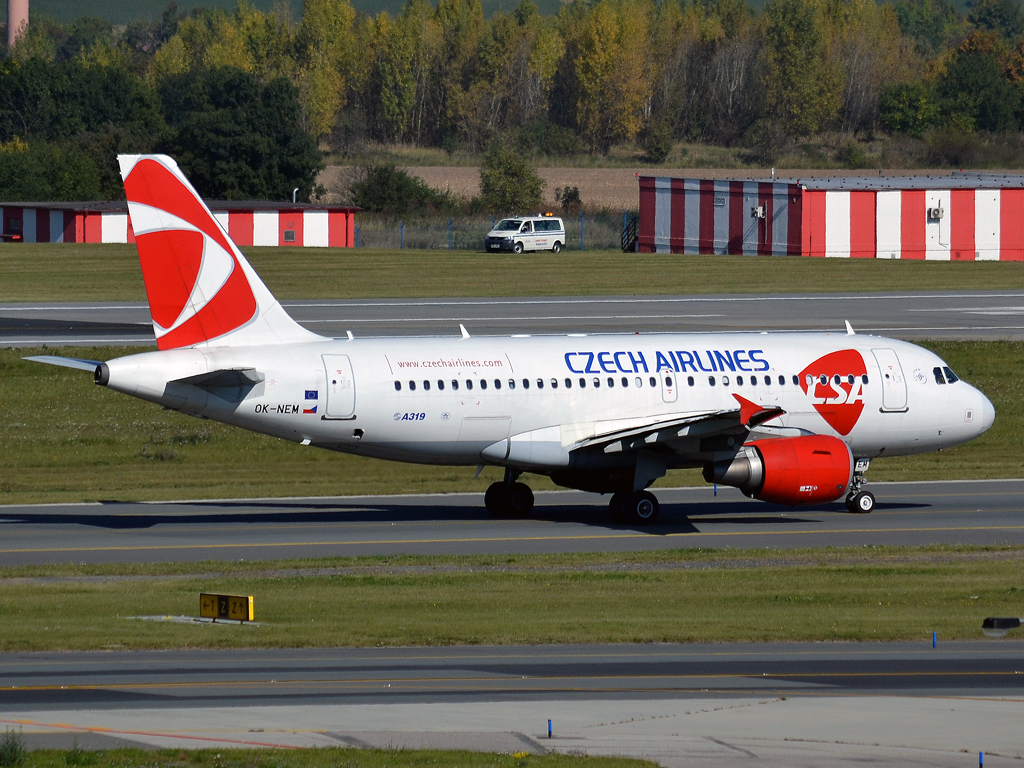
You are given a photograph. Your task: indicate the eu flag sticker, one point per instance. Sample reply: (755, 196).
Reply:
(312, 394)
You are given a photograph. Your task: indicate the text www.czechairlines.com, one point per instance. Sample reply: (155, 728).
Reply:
(455, 363)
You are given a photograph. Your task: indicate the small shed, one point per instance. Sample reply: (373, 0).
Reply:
(959, 216)
(248, 223)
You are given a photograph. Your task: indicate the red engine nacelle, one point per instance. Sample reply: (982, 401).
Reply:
(788, 470)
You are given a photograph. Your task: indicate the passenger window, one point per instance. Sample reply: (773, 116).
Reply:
(823, 379)
(540, 383)
(398, 386)
(739, 380)
(625, 381)
(849, 379)
(554, 383)
(863, 378)
(611, 382)
(440, 383)
(668, 381)
(810, 381)
(412, 386)
(654, 381)
(497, 383)
(796, 380)
(950, 376)
(937, 373)
(483, 383)
(782, 380)
(836, 379)
(426, 386)
(583, 383)
(511, 383)
(689, 380)
(568, 383)
(597, 382)
(725, 381)
(639, 382)
(767, 380)
(469, 383)
(455, 384)
(711, 380)
(526, 383)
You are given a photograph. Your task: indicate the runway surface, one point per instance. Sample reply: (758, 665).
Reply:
(954, 315)
(764, 705)
(966, 512)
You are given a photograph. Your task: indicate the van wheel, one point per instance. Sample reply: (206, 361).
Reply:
(518, 247)
(556, 247)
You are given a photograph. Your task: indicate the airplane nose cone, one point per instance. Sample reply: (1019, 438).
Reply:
(988, 414)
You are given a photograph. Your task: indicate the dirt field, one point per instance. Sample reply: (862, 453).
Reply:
(613, 188)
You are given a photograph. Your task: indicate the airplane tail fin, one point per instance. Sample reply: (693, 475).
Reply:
(201, 289)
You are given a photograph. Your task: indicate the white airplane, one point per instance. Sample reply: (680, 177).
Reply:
(790, 418)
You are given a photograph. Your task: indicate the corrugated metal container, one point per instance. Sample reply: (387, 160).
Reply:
(958, 216)
(247, 223)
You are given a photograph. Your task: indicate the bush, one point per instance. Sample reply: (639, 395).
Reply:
(12, 750)
(550, 139)
(569, 199)
(911, 108)
(508, 184)
(659, 142)
(952, 147)
(388, 189)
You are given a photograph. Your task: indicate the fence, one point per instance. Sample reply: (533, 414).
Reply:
(466, 233)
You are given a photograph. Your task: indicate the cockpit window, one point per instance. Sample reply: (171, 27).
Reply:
(950, 376)
(509, 225)
(937, 373)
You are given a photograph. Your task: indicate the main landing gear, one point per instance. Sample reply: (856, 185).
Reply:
(634, 508)
(860, 502)
(509, 498)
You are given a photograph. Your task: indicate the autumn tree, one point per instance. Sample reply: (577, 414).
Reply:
(802, 83)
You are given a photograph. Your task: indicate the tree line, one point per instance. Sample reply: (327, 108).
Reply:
(248, 100)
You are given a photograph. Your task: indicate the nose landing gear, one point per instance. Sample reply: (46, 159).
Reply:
(509, 498)
(860, 502)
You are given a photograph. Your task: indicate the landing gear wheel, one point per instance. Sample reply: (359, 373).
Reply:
(495, 499)
(615, 507)
(641, 508)
(518, 247)
(518, 500)
(861, 503)
(556, 247)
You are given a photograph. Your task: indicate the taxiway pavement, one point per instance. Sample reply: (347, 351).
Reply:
(798, 704)
(913, 315)
(913, 514)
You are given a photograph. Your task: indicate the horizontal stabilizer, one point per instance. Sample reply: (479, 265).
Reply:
(224, 379)
(66, 362)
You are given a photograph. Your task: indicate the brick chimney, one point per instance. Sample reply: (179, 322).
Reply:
(17, 20)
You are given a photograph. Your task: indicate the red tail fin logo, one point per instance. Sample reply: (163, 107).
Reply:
(827, 381)
(196, 287)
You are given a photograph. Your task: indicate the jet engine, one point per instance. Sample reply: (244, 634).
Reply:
(811, 469)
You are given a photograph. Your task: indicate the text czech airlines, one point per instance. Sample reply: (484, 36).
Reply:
(679, 361)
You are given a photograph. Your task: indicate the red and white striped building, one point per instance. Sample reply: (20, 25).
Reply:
(950, 217)
(248, 223)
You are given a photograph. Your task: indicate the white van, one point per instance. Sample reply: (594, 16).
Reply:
(527, 233)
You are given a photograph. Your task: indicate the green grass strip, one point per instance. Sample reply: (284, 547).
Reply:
(66, 440)
(855, 594)
(78, 272)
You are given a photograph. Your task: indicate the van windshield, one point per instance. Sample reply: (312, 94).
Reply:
(509, 225)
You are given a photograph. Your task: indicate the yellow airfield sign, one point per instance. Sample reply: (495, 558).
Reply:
(233, 607)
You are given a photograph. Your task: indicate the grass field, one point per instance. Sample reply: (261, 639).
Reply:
(66, 440)
(54, 272)
(809, 595)
(321, 757)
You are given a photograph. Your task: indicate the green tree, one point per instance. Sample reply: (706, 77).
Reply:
(976, 94)
(326, 48)
(911, 108)
(802, 82)
(508, 184)
(932, 24)
(45, 172)
(238, 138)
(387, 189)
(1000, 16)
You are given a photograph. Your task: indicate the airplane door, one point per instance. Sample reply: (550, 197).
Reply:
(894, 386)
(341, 387)
(669, 387)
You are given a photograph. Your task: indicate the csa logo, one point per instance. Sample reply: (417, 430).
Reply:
(841, 402)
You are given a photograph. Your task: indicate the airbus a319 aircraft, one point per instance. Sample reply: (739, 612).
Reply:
(790, 418)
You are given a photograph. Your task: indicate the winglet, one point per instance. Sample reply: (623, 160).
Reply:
(465, 333)
(752, 414)
(849, 329)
